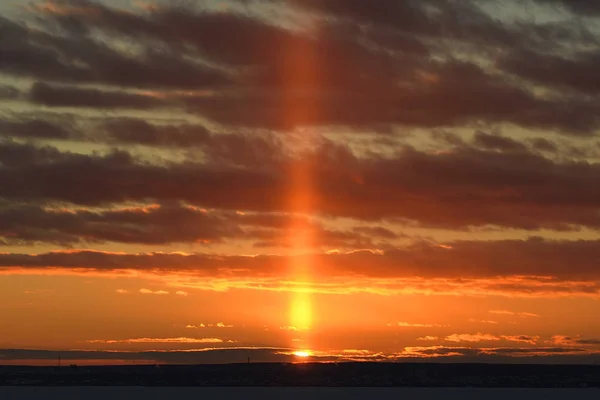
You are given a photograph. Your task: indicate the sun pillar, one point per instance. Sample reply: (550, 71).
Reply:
(300, 79)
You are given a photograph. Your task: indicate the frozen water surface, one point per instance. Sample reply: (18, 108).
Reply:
(287, 393)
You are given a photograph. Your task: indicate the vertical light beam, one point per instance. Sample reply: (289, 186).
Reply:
(300, 70)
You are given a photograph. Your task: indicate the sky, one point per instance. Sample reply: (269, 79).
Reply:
(299, 180)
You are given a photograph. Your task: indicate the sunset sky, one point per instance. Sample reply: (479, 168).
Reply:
(301, 180)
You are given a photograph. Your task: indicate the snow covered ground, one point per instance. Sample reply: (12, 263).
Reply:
(170, 393)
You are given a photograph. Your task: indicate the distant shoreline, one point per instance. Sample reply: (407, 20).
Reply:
(310, 375)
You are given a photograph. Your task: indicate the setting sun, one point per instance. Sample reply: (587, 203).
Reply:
(303, 353)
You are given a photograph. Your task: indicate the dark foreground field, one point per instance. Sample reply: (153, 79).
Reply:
(343, 374)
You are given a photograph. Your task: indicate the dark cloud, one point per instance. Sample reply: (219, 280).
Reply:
(578, 341)
(594, 342)
(447, 24)
(9, 92)
(431, 19)
(340, 75)
(377, 232)
(584, 7)
(575, 73)
(15, 155)
(564, 261)
(497, 142)
(337, 75)
(501, 258)
(146, 225)
(238, 40)
(457, 94)
(516, 189)
(80, 174)
(250, 149)
(490, 354)
(137, 131)
(156, 224)
(319, 236)
(33, 128)
(538, 355)
(522, 338)
(537, 351)
(544, 145)
(63, 96)
(80, 57)
(20, 56)
(245, 149)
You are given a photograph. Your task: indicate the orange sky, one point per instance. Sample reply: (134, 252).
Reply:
(298, 181)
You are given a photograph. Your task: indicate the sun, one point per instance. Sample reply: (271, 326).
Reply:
(302, 353)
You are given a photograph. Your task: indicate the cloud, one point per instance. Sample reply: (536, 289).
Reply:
(170, 222)
(137, 131)
(508, 268)
(428, 338)
(54, 96)
(195, 326)
(217, 325)
(357, 52)
(485, 321)
(584, 7)
(9, 92)
(485, 337)
(33, 128)
(413, 325)
(465, 337)
(422, 19)
(574, 72)
(533, 355)
(484, 97)
(148, 291)
(496, 142)
(574, 341)
(521, 339)
(519, 314)
(151, 224)
(522, 190)
(39, 291)
(288, 328)
(158, 340)
(291, 328)
(496, 353)
(181, 293)
(122, 291)
(87, 59)
(467, 260)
